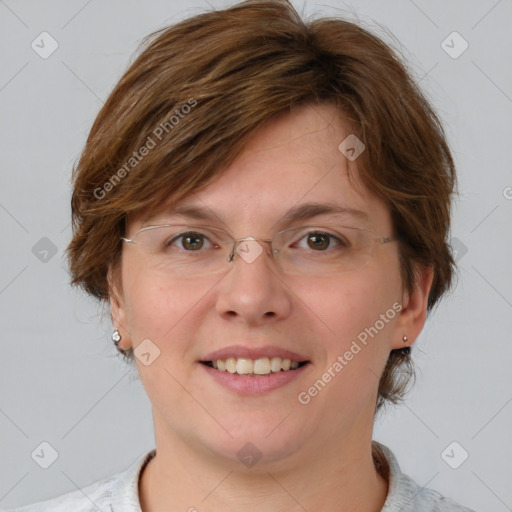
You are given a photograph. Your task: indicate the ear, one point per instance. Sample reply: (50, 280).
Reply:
(117, 308)
(414, 309)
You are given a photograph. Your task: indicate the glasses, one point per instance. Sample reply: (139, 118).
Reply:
(186, 250)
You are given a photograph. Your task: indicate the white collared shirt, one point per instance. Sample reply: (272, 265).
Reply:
(120, 492)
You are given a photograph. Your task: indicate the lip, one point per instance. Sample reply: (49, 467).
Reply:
(257, 385)
(253, 353)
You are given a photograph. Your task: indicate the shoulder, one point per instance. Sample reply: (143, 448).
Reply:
(91, 498)
(118, 492)
(404, 494)
(428, 500)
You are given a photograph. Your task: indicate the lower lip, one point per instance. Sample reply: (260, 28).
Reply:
(258, 385)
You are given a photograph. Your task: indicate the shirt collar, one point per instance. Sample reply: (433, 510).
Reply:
(125, 494)
(401, 489)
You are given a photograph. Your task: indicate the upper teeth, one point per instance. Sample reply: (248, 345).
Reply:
(263, 366)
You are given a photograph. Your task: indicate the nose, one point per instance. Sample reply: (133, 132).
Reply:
(253, 292)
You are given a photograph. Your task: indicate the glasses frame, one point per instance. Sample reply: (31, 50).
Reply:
(237, 241)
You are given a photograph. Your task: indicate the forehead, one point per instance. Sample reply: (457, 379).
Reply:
(291, 166)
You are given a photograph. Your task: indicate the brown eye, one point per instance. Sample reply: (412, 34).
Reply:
(318, 241)
(322, 241)
(190, 241)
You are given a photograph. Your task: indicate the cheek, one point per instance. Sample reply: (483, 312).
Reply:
(355, 322)
(355, 326)
(157, 307)
(160, 311)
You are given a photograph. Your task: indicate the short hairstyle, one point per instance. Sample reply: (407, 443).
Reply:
(200, 89)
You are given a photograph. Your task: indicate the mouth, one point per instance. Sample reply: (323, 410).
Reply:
(260, 367)
(254, 370)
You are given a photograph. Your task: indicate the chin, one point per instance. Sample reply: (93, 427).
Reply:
(258, 445)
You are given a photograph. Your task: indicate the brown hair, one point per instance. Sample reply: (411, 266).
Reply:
(200, 89)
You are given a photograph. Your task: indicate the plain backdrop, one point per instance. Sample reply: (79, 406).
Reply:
(60, 379)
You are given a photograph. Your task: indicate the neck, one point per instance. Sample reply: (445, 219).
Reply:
(342, 477)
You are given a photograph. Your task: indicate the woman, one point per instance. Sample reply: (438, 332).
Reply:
(264, 204)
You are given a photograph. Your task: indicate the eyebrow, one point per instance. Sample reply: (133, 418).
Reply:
(307, 211)
(300, 212)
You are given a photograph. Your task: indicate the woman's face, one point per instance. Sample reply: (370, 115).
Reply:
(342, 326)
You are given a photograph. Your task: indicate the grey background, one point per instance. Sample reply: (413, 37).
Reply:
(60, 380)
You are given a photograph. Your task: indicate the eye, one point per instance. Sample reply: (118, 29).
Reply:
(321, 241)
(190, 241)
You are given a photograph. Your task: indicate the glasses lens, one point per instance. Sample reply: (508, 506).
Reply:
(323, 251)
(190, 251)
(185, 250)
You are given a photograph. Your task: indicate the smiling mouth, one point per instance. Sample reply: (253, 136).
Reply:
(255, 367)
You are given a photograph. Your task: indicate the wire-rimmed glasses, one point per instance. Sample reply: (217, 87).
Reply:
(187, 250)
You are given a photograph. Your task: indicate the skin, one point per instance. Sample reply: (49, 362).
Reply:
(316, 456)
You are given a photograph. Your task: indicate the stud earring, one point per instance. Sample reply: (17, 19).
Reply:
(406, 350)
(116, 338)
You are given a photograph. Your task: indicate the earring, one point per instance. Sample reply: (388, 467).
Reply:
(116, 338)
(406, 350)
